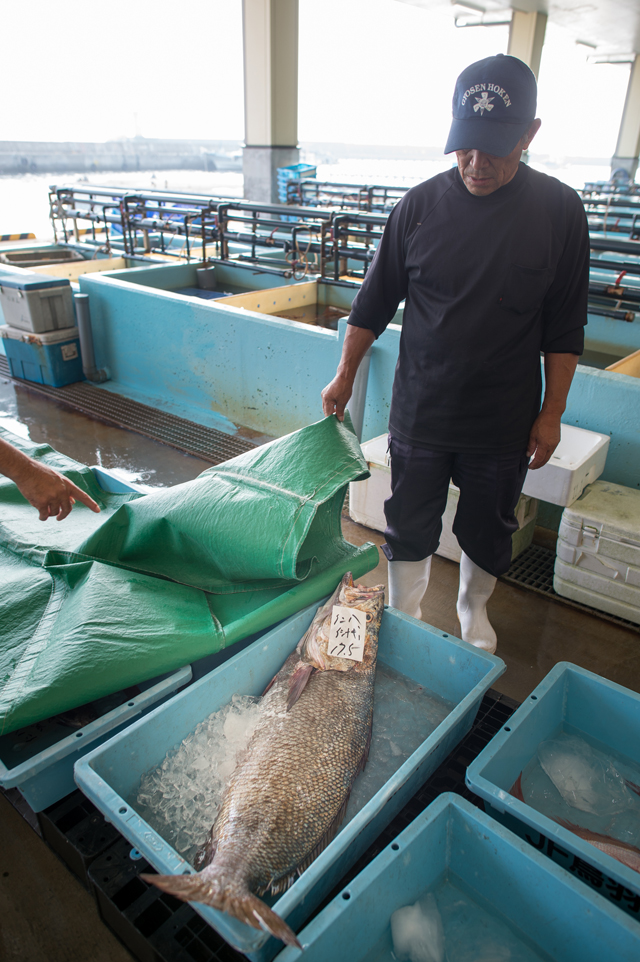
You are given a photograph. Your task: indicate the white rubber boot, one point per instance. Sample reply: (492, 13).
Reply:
(476, 587)
(408, 581)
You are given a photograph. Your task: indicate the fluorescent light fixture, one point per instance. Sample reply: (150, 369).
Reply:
(586, 43)
(612, 58)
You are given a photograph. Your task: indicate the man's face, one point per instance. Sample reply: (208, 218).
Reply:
(483, 173)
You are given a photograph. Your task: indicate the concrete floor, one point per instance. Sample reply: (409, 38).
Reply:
(45, 915)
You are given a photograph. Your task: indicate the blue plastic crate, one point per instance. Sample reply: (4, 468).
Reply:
(453, 838)
(39, 759)
(293, 172)
(457, 672)
(575, 700)
(52, 358)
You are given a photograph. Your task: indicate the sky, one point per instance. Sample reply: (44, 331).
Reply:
(370, 72)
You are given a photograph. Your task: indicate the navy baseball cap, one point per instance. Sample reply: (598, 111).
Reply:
(494, 104)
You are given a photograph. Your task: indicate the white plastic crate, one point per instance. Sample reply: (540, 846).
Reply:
(598, 550)
(366, 504)
(578, 460)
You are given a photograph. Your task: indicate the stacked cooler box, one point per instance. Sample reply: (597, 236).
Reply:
(39, 335)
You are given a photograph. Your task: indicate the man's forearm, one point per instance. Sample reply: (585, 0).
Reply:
(357, 342)
(545, 432)
(558, 375)
(14, 464)
(336, 395)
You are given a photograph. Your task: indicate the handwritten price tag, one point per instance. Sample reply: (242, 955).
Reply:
(347, 634)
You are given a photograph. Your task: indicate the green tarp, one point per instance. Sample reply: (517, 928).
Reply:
(99, 602)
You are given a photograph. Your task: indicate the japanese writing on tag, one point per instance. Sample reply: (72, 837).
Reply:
(347, 634)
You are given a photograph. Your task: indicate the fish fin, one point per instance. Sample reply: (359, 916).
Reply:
(365, 754)
(516, 788)
(298, 683)
(270, 685)
(633, 787)
(242, 905)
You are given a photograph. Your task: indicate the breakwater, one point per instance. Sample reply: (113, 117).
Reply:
(137, 153)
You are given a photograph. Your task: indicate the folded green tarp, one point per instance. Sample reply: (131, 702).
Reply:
(96, 603)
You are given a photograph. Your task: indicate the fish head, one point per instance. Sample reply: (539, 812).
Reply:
(314, 649)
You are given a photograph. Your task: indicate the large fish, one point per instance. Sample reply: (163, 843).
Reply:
(289, 791)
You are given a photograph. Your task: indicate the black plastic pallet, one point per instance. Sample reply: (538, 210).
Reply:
(156, 927)
(77, 833)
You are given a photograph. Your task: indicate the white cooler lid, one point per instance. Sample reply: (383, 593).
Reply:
(49, 337)
(375, 450)
(613, 509)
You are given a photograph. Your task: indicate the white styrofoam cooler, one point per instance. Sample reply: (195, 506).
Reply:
(366, 503)
(578, 460)
(598, 550)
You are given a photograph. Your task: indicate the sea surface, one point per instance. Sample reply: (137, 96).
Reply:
(24, 198)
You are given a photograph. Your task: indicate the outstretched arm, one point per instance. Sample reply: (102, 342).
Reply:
(545, 433)
(49, 492)
(336, 395)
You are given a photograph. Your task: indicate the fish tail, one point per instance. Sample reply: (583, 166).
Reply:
(241, 904)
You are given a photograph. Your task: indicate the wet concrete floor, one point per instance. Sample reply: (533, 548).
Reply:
(45, 914)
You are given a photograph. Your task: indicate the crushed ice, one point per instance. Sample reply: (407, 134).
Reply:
(181, 797)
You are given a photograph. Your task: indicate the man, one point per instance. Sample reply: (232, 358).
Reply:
(493, 260)
(50, 493)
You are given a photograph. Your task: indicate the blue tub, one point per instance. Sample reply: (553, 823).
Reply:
(454, 670)
(581, 702)
(39, 759)
(452, 839)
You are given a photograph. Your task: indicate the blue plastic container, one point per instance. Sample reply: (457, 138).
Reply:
(577, 701)
(453, 839)
(39, 759)
(293, 172)
(52, 358)
(457, 672)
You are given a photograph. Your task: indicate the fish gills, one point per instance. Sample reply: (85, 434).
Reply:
(290, 789)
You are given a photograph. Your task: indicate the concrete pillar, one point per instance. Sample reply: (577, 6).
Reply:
(628, 146)
(270, 30)
(526, 37)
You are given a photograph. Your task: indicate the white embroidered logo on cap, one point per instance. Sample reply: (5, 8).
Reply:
(483, 103)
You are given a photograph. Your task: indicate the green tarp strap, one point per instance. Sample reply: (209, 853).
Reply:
(100, 602)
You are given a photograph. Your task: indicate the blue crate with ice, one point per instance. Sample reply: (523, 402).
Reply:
(162, 781)
(457, 886)
(565, 775)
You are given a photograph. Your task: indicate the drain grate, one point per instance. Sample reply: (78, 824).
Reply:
(188, 436)
(533, 569)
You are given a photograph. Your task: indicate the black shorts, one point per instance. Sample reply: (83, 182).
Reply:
(490, 486)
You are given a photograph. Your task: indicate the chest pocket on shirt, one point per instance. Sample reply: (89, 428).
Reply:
(524, 289)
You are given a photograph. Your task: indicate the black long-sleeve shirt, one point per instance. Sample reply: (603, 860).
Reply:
(489, 283)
